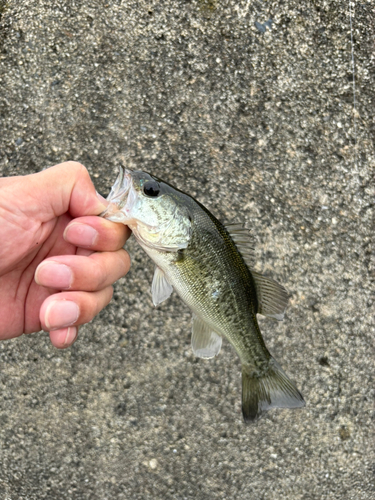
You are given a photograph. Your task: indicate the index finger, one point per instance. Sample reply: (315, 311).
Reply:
(96, 233)
(66, 187)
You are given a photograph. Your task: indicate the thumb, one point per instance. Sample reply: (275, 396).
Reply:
(66, 187)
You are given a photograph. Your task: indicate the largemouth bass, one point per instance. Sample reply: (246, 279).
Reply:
(210, 266)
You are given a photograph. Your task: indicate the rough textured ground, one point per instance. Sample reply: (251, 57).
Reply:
(255, 118)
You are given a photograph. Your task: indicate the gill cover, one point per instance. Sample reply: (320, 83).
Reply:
(151, 209)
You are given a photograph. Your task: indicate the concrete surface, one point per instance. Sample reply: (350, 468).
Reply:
(248, 105)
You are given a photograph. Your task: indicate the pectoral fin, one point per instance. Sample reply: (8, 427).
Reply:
(204, 342)
(160, 287)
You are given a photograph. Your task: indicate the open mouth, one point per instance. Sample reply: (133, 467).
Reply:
(118, 196)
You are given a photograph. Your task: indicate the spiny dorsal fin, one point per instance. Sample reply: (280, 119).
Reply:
(204, 342)
(244, 241)
(272, 297)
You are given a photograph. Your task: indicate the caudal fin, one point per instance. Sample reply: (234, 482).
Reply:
(272, 389)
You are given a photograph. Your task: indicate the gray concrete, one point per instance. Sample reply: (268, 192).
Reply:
(255, 119)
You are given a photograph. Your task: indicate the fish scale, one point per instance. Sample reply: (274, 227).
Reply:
(232, 314)
(210, 269)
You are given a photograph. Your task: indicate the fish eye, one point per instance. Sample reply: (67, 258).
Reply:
(151, 188)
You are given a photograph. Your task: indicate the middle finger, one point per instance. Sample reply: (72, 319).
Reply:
(78, 272)
(96, 233)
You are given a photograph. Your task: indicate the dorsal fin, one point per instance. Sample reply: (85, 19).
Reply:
(272, 297)
(244, 241)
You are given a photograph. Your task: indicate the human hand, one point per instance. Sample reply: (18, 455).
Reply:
(49, 230)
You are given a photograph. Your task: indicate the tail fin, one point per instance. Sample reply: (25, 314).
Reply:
(272, 389)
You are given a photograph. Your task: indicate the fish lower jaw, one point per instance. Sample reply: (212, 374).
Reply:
(114, 213)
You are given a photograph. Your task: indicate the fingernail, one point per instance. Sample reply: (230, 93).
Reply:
(102, 199)
(71, 335)
(54, 275)
(61, 313)
(81, 235)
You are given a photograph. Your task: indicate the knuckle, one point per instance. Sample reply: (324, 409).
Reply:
(75, 164)
(99, 276)
(110, 293)
(101, 273)
(102, 298)
(77, 167)
(126, 260)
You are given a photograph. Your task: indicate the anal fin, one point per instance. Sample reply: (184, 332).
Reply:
(204, 342)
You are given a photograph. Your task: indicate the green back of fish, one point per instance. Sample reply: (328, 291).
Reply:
(213, 279)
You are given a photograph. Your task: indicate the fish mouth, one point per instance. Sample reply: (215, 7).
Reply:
(123, 199)
(118, 197)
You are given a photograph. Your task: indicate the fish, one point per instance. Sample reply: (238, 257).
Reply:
(211, 267)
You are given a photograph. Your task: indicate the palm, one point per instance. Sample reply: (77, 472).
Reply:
(28, 243)
(35, 211)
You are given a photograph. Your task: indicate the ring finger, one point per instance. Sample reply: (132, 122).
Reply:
(79, 272)
(67, 309)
